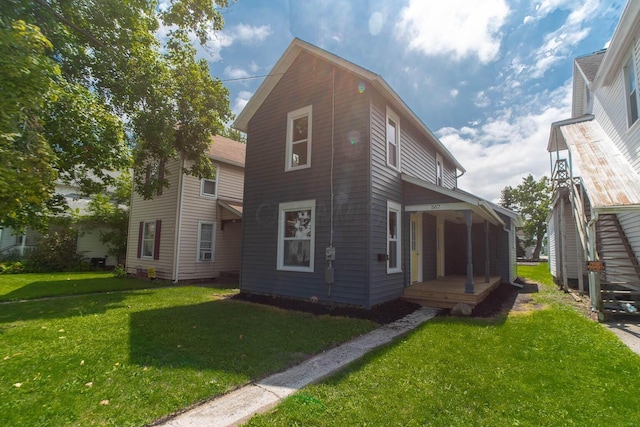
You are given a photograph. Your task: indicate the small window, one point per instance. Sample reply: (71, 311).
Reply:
(393, 139)
(296, 236)
(208, 187)
(206, 240)
(298, 150)
(439, 168)
(148, 239)
(394, 227)
(632, 92)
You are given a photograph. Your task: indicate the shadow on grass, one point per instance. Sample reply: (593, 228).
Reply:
(61, 308)
(82, 286)
(232, 336)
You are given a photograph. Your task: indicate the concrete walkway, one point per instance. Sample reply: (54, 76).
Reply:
(238, 406)
(628, 330)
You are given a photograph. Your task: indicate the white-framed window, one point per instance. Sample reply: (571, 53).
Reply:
(439, 169)
(631, 87)
(206, 240)
(148, 239)
(209, 187)
(298, 152)
(394, 239)
(393, 139)
(296, 235)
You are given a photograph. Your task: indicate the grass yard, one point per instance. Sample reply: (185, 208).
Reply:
(14, 287)
(129, 358)
(545, 367)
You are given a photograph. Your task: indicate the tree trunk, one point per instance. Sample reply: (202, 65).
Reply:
(538, 248)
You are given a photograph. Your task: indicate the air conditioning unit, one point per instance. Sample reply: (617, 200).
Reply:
(205, 255)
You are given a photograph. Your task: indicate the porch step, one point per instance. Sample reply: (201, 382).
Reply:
(449, 291)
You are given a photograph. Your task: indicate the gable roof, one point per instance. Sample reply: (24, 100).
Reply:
(227, 150)
(589, 64)
(298, 46)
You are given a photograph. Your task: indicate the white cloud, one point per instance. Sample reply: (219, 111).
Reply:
(235, 72)
(482, 100)
(250, 35)
(240, 101)
(558, 45)
(454, 93)
(245, 34)
(508, 146)
(456, 27)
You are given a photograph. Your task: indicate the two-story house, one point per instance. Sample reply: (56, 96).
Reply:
(192, 229)
(594, 226)
(350, 198)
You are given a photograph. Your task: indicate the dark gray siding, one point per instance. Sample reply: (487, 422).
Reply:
(504, 246)
(385, 185)
(419, 158)
(309, 82)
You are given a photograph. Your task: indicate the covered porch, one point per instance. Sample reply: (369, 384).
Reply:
(446, 292)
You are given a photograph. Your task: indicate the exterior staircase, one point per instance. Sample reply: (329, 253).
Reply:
(620, 282)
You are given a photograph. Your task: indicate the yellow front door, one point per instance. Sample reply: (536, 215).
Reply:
(416, 248)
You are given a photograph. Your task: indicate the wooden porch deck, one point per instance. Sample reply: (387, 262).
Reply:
(448, 291)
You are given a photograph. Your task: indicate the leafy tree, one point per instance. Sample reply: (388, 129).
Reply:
(531, 199)
(87, 87)
(234, 134)
(112, 211)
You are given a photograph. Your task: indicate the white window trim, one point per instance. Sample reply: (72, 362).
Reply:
(391, 114)
(395, 207)
(144, 238)
(217, 181)
(289, 206)
(213, 241)
(439, 176)
(625, 74)
(304, 111)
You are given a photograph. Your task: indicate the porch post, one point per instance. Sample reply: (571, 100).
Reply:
(468, 286)
(487, 277)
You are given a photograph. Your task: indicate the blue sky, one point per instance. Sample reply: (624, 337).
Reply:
(488, 77)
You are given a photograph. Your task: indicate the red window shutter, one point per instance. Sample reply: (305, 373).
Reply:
(140, 231)
(156, 243)
(160, 177)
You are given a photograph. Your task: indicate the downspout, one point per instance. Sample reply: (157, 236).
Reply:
(178, 232)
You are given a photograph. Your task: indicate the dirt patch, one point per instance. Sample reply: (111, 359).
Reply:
(381, 314)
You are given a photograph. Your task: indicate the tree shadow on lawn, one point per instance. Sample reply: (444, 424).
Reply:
(64, 288)
(227, 335)
(60, 308)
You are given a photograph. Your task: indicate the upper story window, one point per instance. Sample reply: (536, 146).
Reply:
(209, 187)
(296, 236)
(631, 86)
(298, 139)
(439, 168)
(393, 139)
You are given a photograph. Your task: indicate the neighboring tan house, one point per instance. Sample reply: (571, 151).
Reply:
(192, 229)
(350, 198)
(594, 226)
(88, 242)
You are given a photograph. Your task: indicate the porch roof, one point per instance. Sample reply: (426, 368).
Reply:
(483, 209)
(608, 178)
(232, 206)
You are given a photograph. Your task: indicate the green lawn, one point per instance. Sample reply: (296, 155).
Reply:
(549, 367)
(128, 358)
(15, 287)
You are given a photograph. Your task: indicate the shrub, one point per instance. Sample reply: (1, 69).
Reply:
(12, 267)
(119, 271)
(56, 252)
